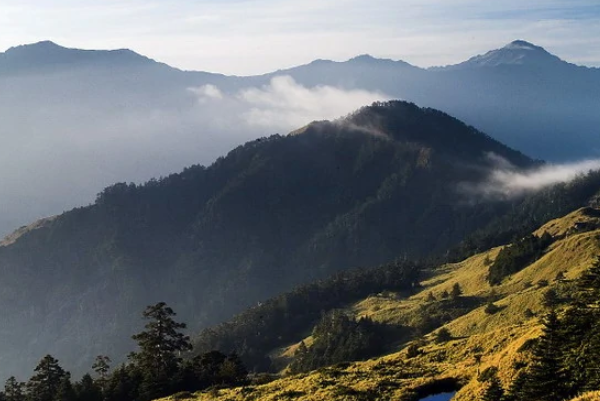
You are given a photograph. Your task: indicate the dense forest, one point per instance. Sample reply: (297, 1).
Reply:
(252, 333)
(286, 318)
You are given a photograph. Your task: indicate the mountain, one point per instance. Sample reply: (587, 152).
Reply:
(520, 94)
(518, 52)
(492, 330)
(274, 213)
(47, 56)
(120, 116)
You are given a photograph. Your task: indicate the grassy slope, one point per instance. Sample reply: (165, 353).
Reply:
(497, 338)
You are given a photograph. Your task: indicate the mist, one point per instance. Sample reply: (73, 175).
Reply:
(66, 136)
(506, 181)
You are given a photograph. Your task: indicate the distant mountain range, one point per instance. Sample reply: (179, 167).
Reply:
(117, 115)
(520, 94)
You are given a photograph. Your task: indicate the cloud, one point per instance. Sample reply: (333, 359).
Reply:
(285, 104)
(115, 134)
(206, 93)
(281, 105)
(507, 181)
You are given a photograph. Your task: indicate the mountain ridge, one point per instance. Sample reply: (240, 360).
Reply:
(518, 47)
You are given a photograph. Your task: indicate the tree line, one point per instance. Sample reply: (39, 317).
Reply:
(156, 369)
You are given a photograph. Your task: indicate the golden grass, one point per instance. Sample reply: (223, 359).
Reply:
(496, 338)
(591, 396)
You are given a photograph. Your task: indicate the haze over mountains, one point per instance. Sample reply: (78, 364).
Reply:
(118, 116)
(276, 212)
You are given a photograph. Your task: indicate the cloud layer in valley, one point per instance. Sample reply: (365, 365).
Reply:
(284, 104)
(506, 181)
(59, 155)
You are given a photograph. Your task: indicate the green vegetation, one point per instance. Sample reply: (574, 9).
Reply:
(517, 256)
(338, 338)
(274, 214)
(285, 318)
(565, 356)
(155, 370)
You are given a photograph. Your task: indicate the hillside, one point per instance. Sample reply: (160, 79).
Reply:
(479, 339)
(273, 214)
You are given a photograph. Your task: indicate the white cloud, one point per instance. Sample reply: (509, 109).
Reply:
(506, 181)
(282, 105)
(207, 93)
(285, 104)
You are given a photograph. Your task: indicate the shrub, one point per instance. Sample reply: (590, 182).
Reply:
(182, 395)
(413, 351)
(443, 335)
(491, 308)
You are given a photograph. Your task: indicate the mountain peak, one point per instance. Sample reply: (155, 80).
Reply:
(518, 52)
(44, 46)
(46, 54)
(522, 45)
(363, 58)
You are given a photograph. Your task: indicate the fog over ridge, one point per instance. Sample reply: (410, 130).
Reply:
(57, 154)
(507, 181)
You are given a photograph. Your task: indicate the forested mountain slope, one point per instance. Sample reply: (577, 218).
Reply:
(272, 214)
(477, 337)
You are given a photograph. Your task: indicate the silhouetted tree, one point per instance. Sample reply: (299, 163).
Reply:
(494, 390)
(14, 390)
(48, 377)
(456, 291)
(443, 335)
(65, 390)
(160, 347)
(546, 370)
(87, 390)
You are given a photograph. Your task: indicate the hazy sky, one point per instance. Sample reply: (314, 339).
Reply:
(255, 36)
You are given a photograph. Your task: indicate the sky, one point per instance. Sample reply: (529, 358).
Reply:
(245, 37)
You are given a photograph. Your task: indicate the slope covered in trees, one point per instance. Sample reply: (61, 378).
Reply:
(518, 350)
(274, 213)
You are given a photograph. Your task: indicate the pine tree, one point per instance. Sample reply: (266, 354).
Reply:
(160, 347)
(44, 384)
(14, 390)
(102, 366)
(87, 390)
(443, 335)
(589, 285)
(494, 390)
(550, 298)
(546, 370)
(515, 391)
(65, 390)
(122, 385)
(456, 291)
(232, 371)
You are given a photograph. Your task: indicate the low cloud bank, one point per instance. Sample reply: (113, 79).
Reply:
(284, 104)
(63, 141)
(507, 181)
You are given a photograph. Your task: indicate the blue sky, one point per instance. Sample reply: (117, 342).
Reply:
(254, 36)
